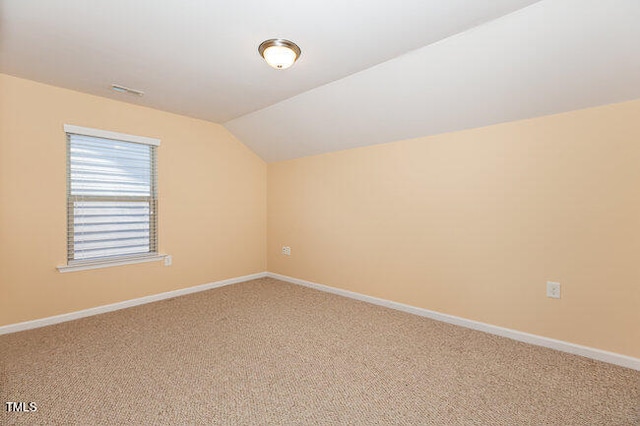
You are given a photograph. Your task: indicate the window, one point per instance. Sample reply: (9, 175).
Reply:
(111, 198)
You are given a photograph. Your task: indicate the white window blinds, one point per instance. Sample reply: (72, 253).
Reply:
(112, 199)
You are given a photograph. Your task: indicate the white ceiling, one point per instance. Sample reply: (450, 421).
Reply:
(553, 56)
(371, 71)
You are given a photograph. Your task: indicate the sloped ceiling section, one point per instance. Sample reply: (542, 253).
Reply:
(371, 71)
(550, 57)
(199, 57)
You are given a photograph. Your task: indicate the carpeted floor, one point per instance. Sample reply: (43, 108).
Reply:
(268, 352)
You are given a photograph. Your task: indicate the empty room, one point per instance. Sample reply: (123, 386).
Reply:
(416, 212)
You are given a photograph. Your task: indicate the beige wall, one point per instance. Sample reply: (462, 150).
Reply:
(474, 223)
(470, 223)
(212, 203)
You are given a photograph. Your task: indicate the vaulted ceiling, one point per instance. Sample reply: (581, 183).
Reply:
(371, 71)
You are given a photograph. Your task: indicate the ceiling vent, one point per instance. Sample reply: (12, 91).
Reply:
(122, 89)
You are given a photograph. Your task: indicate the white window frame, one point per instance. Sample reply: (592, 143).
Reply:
(80, 265)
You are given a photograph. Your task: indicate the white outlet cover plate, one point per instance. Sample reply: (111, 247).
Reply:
(553, 289)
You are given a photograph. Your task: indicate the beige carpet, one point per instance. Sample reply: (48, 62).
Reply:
(268, 352)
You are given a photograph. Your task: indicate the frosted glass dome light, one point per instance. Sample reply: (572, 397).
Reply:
(279, 53)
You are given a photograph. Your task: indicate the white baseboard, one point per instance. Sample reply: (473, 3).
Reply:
(585, 351)
(27, 325)
(572, 348)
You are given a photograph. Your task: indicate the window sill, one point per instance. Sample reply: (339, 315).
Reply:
(97, 264)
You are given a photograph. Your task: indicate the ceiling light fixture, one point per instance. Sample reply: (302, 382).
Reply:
(279, 53)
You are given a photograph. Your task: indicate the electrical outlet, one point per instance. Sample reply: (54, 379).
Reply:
(286, 250)
(553, 290)
(167, 260)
